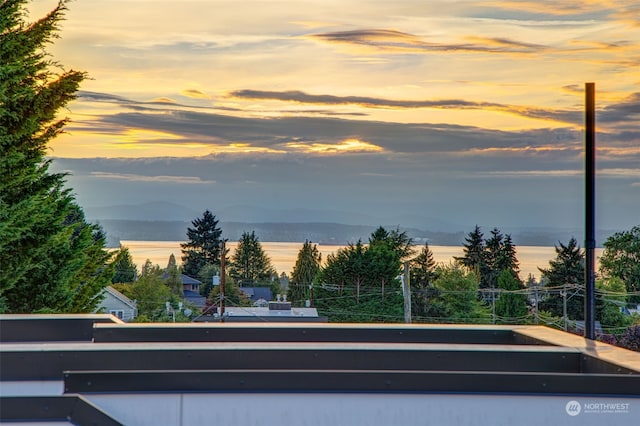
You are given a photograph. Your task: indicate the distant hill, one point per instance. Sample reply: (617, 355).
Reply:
(323, 233)
(167, 221)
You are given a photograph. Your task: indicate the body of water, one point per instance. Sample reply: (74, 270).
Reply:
(283, 255)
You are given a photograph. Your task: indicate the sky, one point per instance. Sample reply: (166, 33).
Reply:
(438, 114)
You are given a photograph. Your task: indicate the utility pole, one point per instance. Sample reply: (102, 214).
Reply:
(223, 279)
(535, 312)
(406, 292)
(564, 305)
(590, 211)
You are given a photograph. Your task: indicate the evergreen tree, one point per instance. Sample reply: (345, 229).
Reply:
(506, 259)
(511, 306)
(473, 249)
(399, 242)
(125, 270)
(172, 276)
(423, 268)
(52, 259)
(490, 270)
(250, 265)
(203, 245)
(305, 270)
(565, 273)
(459, 295)
(426, 304)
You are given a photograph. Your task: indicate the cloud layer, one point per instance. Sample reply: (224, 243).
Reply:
(467, 110)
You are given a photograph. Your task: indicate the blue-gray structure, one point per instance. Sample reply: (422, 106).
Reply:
(83, 370)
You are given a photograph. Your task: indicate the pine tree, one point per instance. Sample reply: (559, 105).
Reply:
(125, 270)
(423, 268)
(250, 265)
(473, 250)
(172, 275)
(511, 306)
(564, 274)
(507, 259)
(304, 272)
(203, 245)
(425, 297)
(52, 259)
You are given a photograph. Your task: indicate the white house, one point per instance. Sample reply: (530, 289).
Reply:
(118, 305)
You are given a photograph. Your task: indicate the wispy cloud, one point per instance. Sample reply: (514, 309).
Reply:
(190, 180)
(397, 41)
(565, 116)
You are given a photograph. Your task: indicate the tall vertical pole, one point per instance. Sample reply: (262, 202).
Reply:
(590, 211)
(406, 290)
(223, 279)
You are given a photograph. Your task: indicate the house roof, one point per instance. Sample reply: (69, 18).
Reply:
(253, 311)
(186, 280)
(124, 299)
(195, 298)
(256, 293)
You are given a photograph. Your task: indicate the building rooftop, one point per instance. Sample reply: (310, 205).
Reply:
(329, 373)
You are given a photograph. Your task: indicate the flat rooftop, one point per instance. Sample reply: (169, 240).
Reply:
(94, 361)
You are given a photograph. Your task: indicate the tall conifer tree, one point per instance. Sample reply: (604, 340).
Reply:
(306, 268)
(203, 246)
(52, 259)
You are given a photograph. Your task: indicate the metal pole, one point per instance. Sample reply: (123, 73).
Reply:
(223, 280)
(590, 210)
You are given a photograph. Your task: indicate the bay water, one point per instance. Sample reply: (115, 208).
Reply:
(283, 254)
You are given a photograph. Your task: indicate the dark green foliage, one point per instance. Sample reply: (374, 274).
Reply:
(203, 245)
(232, 295)
(611, 296)
(565, 274)
(511, 306)
(173, 280)
(423, 268)
(621, 258)
(459, 291)
(474, 248)
(398, 242)
(305, 270)
(206, 275)
(250, 266)
(149, 292)
(341, 306)
(426, 303)
(359, 283)
(489, 258)
(125, 270)
(52, 259)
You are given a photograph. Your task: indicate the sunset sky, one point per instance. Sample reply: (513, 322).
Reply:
(428, 113)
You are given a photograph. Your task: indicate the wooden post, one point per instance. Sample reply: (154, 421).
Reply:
(406, 291)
